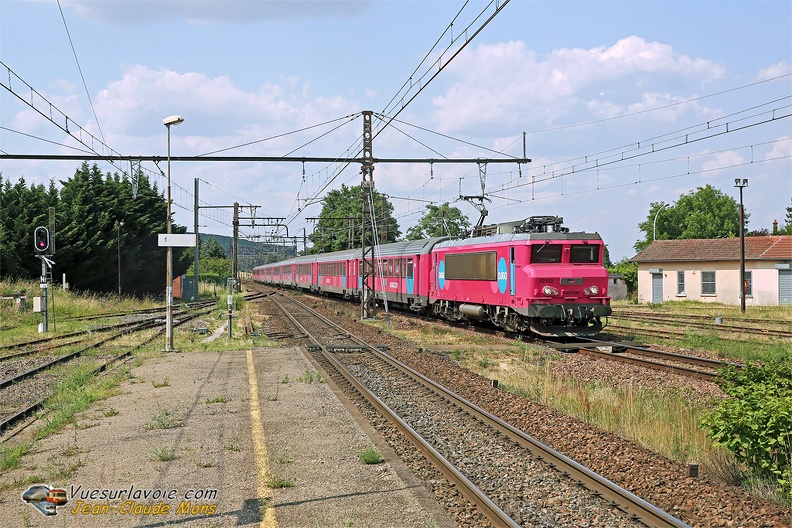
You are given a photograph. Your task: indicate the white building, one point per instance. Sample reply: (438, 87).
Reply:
(708, 270)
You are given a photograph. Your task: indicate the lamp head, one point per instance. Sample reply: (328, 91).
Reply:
(172, 120)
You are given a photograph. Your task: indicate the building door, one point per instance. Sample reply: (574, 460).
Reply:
(657, 288)
(785, 287)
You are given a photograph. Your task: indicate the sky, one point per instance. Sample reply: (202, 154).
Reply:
(617, 104)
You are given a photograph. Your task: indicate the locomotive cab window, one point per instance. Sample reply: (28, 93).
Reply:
(584, 253)
(545, 253)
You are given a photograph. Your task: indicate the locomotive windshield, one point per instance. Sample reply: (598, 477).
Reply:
(584, 253)
(546, 253)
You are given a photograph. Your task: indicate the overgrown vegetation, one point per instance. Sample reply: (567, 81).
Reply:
(75, 394)
(755, 422)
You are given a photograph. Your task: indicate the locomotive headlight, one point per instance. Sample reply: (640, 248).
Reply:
(549, 291)
(593, 290)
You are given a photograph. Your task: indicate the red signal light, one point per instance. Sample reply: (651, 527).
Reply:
(41, 239)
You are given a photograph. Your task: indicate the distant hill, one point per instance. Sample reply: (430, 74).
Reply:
(252, 254)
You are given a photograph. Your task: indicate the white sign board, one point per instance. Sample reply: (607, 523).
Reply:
(174, 240)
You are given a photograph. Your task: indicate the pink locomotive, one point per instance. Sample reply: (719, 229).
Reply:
(532, 276)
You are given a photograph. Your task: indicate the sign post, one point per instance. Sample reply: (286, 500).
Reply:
(171, 240)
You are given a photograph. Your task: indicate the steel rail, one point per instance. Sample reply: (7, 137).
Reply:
(733, 328)
(592, 347)
(650, 352)
(643, 362)
(32, 408)
(636, 507)
(470, 491)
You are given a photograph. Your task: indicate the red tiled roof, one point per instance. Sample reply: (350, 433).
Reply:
(756, 248)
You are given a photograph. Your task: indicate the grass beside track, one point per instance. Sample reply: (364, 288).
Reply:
(751, 347)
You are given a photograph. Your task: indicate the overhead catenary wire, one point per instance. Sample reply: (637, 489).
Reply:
(79, 68)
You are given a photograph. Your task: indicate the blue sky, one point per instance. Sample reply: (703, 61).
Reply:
(622, 103)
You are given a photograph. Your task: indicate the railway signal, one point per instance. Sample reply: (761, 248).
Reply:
(41, 240)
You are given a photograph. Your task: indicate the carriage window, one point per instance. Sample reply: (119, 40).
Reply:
(397, 268)
(584, 253)
(545, 253)
(409, 273)
(471, 266)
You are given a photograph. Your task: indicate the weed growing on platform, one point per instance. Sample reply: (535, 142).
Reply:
(164, 454)
(310, 376)
(218, 399)
(278, 483)
(164, 419)
(282, 456)
(371, 455)
(163, 383)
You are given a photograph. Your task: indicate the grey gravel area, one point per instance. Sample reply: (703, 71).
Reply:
(182, 427)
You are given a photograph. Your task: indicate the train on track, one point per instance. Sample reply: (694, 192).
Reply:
(531, 276)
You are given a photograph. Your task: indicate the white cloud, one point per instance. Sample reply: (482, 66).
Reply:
(776, 70)
(781, 148)
(720, 160)
(507, 83)
(664, 107)
(214, 107)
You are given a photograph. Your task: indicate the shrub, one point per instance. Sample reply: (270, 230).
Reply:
(755, 423)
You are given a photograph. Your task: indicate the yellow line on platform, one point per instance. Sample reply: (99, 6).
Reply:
(260, 449)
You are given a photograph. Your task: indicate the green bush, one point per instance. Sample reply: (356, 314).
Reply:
(755, 423)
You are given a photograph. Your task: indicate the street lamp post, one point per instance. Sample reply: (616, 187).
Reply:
(741, 183)
(654, 225)
(168, 121)
(120, 225)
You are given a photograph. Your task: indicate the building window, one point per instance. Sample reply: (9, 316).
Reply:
(707, 283)
(680, 282)
(748, 285)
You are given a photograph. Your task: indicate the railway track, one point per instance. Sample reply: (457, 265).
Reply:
(504, 472)
(646, 357)
(55, 340)
(27, 382)
(753, 327)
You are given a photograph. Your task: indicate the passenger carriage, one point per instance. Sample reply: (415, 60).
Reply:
(402, 272)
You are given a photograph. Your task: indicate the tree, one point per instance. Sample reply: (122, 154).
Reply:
(88, 211)
(787, 228)
(629, 272)
(703, 213)
(211, 249)
(339, 223)
(440, 220)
